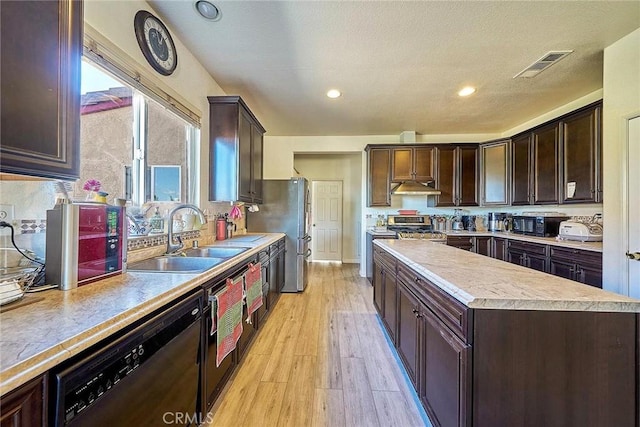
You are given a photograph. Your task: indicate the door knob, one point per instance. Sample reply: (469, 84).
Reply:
(634, 255)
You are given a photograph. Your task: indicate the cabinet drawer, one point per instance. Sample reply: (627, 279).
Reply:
(461, 242)
(528, 247)
(383, 258)
(576, 255)
(450, 311)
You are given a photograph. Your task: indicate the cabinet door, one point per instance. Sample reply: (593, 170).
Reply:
(256, 164)
(562, 268)
(379, 177)
(446, 181)
(546, 149)
(499, 248)
(408, 329)
(536, 262)
(402, 164)
(447, 375)
(24, 406)
(494, 164)
(482, 245)
(244, 152)
(581, 156)
(467, 176)
(41, 44)
(515, 256)
(389, 287)
(460, 242)
(589, 275)
(423, 164)
(520, 170)
(378, 290)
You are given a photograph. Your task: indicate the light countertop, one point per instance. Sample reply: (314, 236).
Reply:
(485, 283)
(60, 324)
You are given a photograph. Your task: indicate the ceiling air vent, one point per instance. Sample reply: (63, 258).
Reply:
(547, 60)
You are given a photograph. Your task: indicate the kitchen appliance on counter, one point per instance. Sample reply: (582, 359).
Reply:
(286, 209)
(540, 225)
(84, 243)
(580, 231)
(498, 221)
(414, 227)
(469, 222)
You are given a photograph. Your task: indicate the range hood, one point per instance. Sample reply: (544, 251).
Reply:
(415, 188)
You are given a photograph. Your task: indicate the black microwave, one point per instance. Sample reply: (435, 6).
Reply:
(541, 226)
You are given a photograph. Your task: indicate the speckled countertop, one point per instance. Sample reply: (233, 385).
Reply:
(587, 246)
(486, 283)
(59, 324)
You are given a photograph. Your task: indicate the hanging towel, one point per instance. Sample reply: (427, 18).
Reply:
(253, 286)
(229, 318)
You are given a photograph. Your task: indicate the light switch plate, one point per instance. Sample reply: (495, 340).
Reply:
(7, 214)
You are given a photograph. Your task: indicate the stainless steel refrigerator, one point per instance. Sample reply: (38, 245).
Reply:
(286, 209)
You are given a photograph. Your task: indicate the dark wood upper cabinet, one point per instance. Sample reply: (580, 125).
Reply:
(379, 174)
(41, 45)
(235, 150)
(546, 162)
(494, 167)
(457, 176)
(412, 164)
(535, 167)
(521, 170)
(582, 154)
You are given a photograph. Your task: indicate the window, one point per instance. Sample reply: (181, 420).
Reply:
(137, 148)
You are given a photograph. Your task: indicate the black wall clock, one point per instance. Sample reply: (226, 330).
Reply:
(155, 42)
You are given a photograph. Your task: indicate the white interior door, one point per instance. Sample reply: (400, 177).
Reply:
(326, 228)
(633, 205)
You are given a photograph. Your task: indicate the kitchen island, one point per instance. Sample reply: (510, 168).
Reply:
(489, 343)
(58, 325)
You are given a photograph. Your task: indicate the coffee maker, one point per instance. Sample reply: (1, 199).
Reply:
(495, 221)
(469, 222)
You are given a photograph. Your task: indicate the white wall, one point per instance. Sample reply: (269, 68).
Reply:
(112, 22)
(621, 86)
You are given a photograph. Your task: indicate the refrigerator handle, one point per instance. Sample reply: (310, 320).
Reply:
(307, 238)
(308, 253)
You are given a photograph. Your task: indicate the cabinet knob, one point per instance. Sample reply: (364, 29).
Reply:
(633, 256)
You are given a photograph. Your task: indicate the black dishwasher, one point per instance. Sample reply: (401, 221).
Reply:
(148, 377)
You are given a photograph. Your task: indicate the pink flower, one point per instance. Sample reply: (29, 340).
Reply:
(92, 185)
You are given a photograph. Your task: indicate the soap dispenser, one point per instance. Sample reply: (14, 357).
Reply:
(157, 222)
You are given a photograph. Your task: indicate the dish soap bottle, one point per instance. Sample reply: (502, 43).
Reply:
(157, 222)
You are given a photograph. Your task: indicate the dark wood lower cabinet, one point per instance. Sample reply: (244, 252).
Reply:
(446, 374)
(25, 407)
(389, 288)
(460, 242)
(499, 250)
(482, 245)
(575, 264)
(475, 367)
(409, 329)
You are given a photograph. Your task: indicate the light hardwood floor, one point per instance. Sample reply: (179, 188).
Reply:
(320, 360)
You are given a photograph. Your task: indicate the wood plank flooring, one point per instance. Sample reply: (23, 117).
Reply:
(320, 360)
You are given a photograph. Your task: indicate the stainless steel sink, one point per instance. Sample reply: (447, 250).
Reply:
(177, 264)
(215, 251)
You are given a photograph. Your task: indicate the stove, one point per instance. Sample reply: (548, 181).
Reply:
(417, 227)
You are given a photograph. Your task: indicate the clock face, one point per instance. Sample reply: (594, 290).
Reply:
(155, 42)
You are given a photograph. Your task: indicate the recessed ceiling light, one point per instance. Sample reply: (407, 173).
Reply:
(208, 10)
(466, 91)
(334, 93)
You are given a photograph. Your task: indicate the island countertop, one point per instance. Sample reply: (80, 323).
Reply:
(486, 283)
(60, 324)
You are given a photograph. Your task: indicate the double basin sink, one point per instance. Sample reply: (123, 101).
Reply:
(195, 260)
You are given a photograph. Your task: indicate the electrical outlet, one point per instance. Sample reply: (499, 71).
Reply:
(7, 214)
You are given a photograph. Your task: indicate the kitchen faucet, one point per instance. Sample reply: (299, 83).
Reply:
(172, 249)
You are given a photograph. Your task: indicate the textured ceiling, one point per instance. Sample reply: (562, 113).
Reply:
(399, 64)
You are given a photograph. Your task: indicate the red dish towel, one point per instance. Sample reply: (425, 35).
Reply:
(253, 288)
(229, 318)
